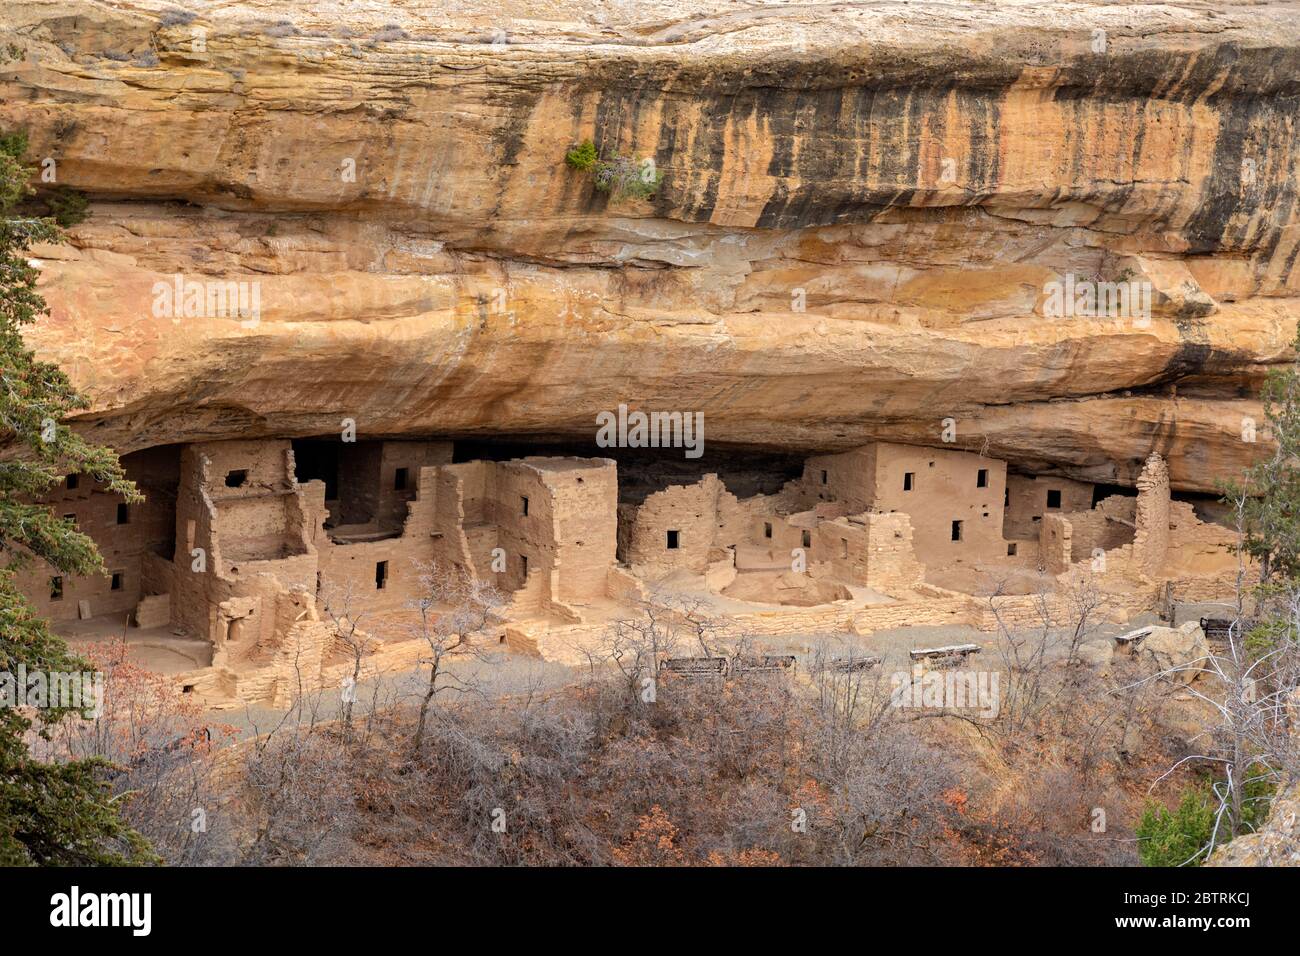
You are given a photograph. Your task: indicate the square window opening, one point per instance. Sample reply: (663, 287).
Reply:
(1053, 498)
(237, 478)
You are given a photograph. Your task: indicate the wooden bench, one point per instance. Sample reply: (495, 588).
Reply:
(763, 664)
(695, 668)
(1129, 642)
(854, 665)
(1219, 629)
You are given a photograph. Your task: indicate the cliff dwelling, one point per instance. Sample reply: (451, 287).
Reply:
(220, 577)
(602, 412)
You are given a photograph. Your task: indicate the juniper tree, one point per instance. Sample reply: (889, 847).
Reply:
(1271, 488)
(56, 813)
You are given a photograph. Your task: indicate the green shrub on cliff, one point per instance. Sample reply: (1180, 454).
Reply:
(1176, 838)
(67, 206)
(1179, 838)
(582, 157)
(619, 177)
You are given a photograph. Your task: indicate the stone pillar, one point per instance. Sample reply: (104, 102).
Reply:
(1151, 538)
(1055, 543)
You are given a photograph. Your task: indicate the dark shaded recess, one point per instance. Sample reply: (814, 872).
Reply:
(643, 471)
(1208, 506)
(318, 460)
(1237, 384)
(157, 474)
(1105, 491)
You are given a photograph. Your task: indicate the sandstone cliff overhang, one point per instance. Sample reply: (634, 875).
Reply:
(861, 211)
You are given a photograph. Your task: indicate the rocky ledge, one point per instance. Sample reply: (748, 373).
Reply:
(862, 213)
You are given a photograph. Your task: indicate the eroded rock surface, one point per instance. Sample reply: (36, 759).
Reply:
(1177, 653)
(861, 210)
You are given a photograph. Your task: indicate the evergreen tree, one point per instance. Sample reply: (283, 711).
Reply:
(50, 813)
(1272, 508)
(1178, 838)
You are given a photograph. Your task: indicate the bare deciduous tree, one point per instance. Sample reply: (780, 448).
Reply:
(1251, 682)
(453, 606)
(339, 606)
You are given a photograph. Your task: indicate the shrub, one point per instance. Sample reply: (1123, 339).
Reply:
(582, 157)
(618, 177)
(624, 176)
(67, 206)
(1177, 838)
(14, 145)
(171, 18)
(1174, 839)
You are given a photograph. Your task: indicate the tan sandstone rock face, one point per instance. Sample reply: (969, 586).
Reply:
(862, 211)
(1276, 844)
